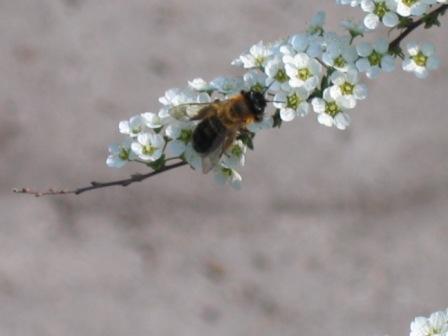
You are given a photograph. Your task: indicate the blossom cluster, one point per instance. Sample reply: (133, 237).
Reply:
(317, 70)
(434, 325)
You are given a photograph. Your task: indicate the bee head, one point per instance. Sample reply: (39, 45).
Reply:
(257, 102)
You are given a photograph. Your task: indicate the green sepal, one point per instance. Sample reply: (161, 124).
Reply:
(247, 138)
(158, 164)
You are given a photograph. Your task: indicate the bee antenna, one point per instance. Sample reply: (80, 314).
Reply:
(275, 101)
(268, 87)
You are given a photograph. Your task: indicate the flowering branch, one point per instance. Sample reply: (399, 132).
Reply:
(429, 19)
(317, 69)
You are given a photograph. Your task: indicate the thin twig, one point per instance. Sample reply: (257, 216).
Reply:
(415, 24)
(98, 185)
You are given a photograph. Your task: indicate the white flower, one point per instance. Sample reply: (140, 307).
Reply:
(255, 80)
(277, 77)
(199, 84)
(228, 85)
(257, 57)
(119, 155)
(380, 10)
(152, 120)
(374, 58)
(181, 135)
(352, 3)
(347, 88)
(303, 71)
(354, 28)
(292, 103)
(435, 325)
(330, 111)
(420, 59)
(235, 156)
(225, 175)
(317, 24)
(132, 127)
(339, 54)
(413, 7)
(149, 146)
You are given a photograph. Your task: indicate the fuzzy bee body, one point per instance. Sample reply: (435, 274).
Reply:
(222, 121)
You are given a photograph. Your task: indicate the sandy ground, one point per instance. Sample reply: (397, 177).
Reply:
(341, 233)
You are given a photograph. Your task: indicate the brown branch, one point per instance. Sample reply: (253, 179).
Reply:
(99, 185)
(414, 25)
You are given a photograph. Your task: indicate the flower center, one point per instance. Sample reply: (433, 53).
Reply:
(136, 130)
(340, 62)
(316, 30)
(420, 59)
(293, 101)
(124, 154)
(409, 3)
(281, 76)
(375, 58)
(149, 150)
(227, 172)
(259, 61)
(304, 74)
(185, 136)
(237, 151)
(332, 109)
(347, 88)
(257, 87)
(381, 9)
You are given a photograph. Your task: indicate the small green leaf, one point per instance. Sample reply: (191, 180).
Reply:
(277, 119)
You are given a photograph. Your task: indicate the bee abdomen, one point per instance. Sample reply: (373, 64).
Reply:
(206, 134)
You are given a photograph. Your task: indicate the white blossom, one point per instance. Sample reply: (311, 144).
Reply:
(330, 111)
(148, 146)
(227, 85)
(413, 7)
(257, 57)
(235, 155)
(255, 80)
(435, 325)
(199, 84)
(339, 53)
(303, 71)
(119, 155)
(132, 127)
(225, 175)
(352, 3)
(380, 11)
(292, 103)
(374, 58)
(277, 79)
(420, 59)
(347, 89)
(151, 120)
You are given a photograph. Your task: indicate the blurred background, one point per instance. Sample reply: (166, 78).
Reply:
(341, 233)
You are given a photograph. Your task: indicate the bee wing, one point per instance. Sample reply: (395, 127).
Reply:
(211, 159)
(186, 111)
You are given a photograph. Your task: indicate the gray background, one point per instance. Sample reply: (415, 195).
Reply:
(340, 233)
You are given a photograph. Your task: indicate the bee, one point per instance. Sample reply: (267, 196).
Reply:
(222, 121)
